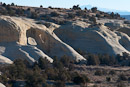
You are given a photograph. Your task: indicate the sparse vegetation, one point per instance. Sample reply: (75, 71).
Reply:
(64, 70)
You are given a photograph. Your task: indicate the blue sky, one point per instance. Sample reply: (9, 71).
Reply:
(110, 4)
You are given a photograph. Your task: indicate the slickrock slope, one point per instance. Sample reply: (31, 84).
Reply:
(4, 60)
(93, 39)
(24, 38)
(1, 85)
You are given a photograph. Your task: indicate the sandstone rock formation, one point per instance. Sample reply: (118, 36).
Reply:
(93, 39)
(28, 39)
(23, 38)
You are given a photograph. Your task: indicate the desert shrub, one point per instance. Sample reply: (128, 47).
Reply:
(85, 9)
(66, 61)
(98, 15)
(59, 84)
(34, 15)
(63, 76)
(41, 6)
(71, 15)
(35, 80)
(50, 7)
(10, 11)
(43, 63)
(121, 84)
(76, 7)
(58, 21)
(122, 77)
(12, 4)
(57, 63)
(105, 59)
(20, 12)
(107, 15)
(93, 19)
(80, 79)
(4, 79)
(93, 60)
(54, 14)
(47, 24)
(117, 15)
(98, 73)
(108, 79)
(18, 69)
(95, 86)
(85, 16)
(86, 78)
(80, 13)
(112, 72)
(112, 15)
(127, 22)
(129, 79)
(94, 9)
(52, 73)
(3, 4)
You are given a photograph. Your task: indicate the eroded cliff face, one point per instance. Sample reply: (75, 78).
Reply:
(23, 38)
(94, 39)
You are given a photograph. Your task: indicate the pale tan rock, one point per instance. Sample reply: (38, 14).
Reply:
(95, 39)
(1, 85)
(23, 38)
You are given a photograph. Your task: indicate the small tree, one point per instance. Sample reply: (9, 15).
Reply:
(43, 63)
(76, 7)
(3, 4)
(12, 4)
(112, 15)
(85, 9)
(57, 64)
(65, 61)
(41, 6)
(35, 80)
(93, 60)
